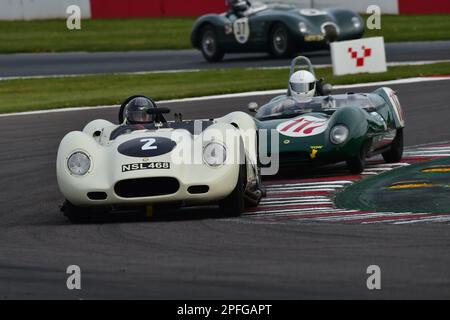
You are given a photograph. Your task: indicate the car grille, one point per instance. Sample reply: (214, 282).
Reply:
(330, 31)
(146, 187)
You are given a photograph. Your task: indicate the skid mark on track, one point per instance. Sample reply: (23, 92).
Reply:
(311, 199)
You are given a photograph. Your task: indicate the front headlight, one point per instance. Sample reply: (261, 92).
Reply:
(302, 27)
(214, 154)
(339, 134)
(356, 22)
(79, 163)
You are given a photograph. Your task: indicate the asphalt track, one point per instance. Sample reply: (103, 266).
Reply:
(196, 253)
(20, 65)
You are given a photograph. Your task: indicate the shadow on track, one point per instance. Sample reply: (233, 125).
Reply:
(160, 215)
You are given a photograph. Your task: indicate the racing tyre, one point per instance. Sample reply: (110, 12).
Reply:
(209, 45)
(280, 42)
(395, 152)
(357, 164)
(75, 214)
(234, 204)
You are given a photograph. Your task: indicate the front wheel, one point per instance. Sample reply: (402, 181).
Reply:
(280, 42)
(81, 215)
(233, 205)
(209, 45)
(74, 214)
(395, 152)
(357, 164)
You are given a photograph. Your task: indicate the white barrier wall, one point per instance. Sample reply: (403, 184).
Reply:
(40, 9)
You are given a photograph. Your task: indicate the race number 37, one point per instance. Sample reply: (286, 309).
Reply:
(241, 30)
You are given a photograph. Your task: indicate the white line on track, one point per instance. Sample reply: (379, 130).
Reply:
(308, 210)
(237, 95)
(311, 188)
(297, 201)
(296, 190)
(304, 184)
(317, 66)
(433, 219)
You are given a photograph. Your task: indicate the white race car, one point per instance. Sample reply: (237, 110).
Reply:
(148, 161)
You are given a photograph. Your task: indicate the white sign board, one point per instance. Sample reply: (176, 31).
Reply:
(358, 56)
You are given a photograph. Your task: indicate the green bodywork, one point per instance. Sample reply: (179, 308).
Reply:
(262, 20)
(373, 120)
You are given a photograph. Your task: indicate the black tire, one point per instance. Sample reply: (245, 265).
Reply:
(76, 215)
(357, 164)
(280, 42)
(234, 204)
(209, 45)
(79, 215)
(395, 152)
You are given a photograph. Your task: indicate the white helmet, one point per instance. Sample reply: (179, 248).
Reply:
(302, 84)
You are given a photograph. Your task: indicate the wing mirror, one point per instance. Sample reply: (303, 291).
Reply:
(253, 107)
(326, 89)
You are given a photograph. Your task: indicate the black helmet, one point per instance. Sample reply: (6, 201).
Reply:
(136, 111)
(239, 5)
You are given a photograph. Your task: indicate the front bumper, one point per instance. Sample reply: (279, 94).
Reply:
(184, 184)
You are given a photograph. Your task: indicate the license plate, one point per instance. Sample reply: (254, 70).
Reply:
(145, 166)
(314, 37)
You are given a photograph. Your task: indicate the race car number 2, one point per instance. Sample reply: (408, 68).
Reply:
(145, 166)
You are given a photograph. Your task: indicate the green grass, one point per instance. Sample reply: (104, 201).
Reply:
(171, 33)
(95, 35)
(50, 93)
(413, 28)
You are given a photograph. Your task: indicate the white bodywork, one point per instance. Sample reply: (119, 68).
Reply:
(236, 131)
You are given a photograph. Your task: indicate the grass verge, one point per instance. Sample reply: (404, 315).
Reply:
(50, 93)
(399, 28)
(171, 33)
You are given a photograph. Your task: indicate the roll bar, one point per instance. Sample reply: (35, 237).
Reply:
(296, 63)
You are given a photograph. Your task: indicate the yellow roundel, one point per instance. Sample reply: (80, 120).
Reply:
(287, 141)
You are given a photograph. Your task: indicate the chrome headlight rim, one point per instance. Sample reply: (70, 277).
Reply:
(85, 170)
(302, 27)
(219, 144)
(345, 133)
(357, 22)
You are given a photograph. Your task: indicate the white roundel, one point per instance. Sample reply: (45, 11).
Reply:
(312, 12)
(241, 30)
(303, 126)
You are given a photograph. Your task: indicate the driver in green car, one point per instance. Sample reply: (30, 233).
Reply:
(238, 7)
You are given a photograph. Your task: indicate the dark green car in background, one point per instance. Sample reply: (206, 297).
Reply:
(326, 129)
(279, 29)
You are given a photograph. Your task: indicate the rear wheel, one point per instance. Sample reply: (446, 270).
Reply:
(395, 152)
(357, 164)
(209, 45)
(280, 42)
(234, 204)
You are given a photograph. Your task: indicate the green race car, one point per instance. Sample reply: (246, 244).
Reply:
(347, 127)
(279, 29)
